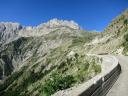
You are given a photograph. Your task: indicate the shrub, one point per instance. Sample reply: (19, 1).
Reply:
(97, 68)
(125, 21)
(57, 82)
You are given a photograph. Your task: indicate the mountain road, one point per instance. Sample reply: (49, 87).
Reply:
(120, 88)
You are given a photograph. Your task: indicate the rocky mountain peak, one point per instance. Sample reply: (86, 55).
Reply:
(8, 31)
(50, 26)
(53, 23)
(9, 26)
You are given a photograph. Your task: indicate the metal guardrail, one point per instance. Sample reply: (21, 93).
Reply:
(102, 86)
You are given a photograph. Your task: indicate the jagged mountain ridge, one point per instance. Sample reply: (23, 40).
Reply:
(9, 30)
(38, 50)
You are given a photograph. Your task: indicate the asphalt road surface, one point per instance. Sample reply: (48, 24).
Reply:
(120, 88)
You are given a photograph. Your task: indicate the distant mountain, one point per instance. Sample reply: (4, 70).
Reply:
(41, 60)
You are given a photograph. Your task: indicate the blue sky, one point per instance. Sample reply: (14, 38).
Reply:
(89, 14)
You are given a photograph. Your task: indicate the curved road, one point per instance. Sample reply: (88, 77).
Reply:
(120, 88)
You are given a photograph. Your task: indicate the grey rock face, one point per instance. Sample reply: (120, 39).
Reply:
(2, 27)
(48, 27)
(59, 23)
(8, 31)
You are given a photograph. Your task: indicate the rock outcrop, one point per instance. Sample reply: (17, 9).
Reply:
(9, 31)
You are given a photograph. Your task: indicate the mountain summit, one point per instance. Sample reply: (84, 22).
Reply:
(53, 23)
(9, 31)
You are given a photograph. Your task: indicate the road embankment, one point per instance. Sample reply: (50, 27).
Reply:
(100, 84)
